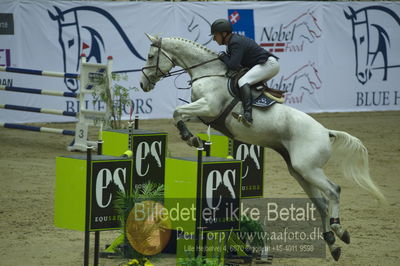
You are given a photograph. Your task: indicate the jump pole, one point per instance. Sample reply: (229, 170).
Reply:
(37, 110)
(39, 91)
(84, 116)
(38, 129)
(49, 111)
(39, 72)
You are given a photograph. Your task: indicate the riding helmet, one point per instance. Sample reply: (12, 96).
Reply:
(221, 25)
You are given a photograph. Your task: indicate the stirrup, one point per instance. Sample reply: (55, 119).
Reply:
(241, 119)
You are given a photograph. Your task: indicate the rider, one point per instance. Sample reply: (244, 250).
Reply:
(243, 52)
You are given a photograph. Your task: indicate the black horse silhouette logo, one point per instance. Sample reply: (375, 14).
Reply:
(78, 34)
(374, 48)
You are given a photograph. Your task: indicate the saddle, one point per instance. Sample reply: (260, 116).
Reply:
(263, 96)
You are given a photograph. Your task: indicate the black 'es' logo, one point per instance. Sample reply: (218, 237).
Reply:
(252, 157)
(108, 179)
(220, 195)
(149, 158)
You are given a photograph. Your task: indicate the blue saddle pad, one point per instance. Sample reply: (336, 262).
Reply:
(263, 101)
(259, 98)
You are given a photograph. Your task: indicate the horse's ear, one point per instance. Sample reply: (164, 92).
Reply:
(58, 16)
(151, 38)
(351, 15)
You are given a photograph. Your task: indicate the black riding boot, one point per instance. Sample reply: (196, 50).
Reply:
(246, 97)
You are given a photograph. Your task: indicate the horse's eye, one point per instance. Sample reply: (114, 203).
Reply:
(70, 43)
(151, 56)
(362, 39)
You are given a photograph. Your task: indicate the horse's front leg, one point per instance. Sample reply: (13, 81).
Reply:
(200, 107)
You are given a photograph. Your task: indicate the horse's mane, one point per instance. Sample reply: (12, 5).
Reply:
(195, 44)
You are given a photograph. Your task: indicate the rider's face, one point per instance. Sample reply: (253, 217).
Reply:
(218, 38)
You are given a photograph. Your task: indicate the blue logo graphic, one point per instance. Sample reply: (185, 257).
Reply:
(77, 36)
(5, 57)
(375, 50)
(242, 21)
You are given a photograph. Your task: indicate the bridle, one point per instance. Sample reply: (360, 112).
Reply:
(175, 72)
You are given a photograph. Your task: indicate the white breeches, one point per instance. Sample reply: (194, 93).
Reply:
(260, 72)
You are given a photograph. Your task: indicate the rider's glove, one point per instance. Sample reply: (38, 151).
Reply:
(221, 55)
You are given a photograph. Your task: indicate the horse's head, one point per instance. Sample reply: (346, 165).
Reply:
(312, 25)
(75, 39)
(69, 41)
(313, 76)
(361, 43)
(306, 78)
(306, 25)
(158, 64)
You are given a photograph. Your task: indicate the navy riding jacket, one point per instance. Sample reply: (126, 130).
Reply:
(244, 52)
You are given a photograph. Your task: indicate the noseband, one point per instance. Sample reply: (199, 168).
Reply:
(169, 73)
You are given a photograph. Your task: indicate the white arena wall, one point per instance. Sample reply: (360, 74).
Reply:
(334, 56)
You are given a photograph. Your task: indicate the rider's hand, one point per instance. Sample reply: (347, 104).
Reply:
(221, 55)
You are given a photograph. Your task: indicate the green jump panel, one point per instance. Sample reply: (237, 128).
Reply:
(109, 174)
(252, 157)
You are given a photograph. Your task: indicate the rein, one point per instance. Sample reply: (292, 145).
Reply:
(175, 72)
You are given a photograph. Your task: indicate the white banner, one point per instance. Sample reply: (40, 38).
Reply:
(337, 56)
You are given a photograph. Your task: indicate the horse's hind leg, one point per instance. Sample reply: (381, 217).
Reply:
(320, 201)
(316, 177)
(310, 168)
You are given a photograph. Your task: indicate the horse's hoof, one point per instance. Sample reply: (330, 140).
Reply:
(329, 237)
(345, 237)
(335, 252)
(196, 142)
(186, 136)
(189, 142)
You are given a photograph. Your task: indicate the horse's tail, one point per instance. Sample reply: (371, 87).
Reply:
(352, 156)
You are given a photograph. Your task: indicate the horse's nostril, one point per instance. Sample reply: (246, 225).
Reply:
(360, 74)
(141, 85)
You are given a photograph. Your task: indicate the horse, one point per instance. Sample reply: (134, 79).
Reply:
(304, 144)
(371, 38)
